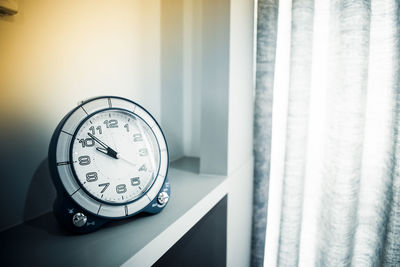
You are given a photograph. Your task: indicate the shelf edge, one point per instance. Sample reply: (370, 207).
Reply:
(150, 253)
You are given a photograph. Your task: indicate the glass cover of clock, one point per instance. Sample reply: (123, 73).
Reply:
(115, 156)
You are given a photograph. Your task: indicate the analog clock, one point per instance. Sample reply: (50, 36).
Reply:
(109, 160)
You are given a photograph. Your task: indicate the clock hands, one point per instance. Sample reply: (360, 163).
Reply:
(123, 158)
(108, 151)
(105, 148)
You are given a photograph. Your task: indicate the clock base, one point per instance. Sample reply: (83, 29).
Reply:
(79, 221)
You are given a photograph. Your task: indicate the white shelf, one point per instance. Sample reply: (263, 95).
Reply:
(190, 63)
(138, 241)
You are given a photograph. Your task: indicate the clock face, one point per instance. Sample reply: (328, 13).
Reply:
(110, 157)
(115, 156)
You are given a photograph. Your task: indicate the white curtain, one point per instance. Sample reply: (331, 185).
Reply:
(334, 182)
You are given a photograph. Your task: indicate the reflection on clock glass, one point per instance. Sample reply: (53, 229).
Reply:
(115, 156)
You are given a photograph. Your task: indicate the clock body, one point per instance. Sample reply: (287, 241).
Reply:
(109, 160)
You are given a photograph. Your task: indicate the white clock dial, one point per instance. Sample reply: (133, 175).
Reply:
(115, 156)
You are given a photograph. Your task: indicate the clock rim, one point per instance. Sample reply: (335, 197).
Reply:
(81, 201)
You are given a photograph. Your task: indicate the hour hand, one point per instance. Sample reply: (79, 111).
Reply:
(105, 148)
(109, 152)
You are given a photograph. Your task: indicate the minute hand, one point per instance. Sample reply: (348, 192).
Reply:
(105, 148)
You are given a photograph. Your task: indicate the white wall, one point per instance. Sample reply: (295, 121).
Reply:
(192, 76)
(218, 69)
(171, 75)
(53, 54)
(240, 133)
(188, 61)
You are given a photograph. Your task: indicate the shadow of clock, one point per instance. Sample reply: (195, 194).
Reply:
(41, 192)
(48, 224)
(120, 222)
(38, 211)
(39, 202)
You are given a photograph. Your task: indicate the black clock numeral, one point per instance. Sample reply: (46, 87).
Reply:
(98, 128)
(91, 176)
(111, 123)
(121, 188)
(105, 186)
(88, 142)
(143, 152)
(84, 160)
(135, 181)
(92, 129)
(137, 137)
(127, 127)
(143, 168)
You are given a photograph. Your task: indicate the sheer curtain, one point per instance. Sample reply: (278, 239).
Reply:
(328, 81)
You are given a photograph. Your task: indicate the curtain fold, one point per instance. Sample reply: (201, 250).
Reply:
(267, 16)
(340, 180)
(346, 103)
(297, 128)
(378, 175)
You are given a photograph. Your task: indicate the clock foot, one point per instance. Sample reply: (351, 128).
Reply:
(75, 219)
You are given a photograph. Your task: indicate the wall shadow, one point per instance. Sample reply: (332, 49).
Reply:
(41, 192)
(41, 195)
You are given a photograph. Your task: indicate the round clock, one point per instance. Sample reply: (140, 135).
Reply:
(108, 159)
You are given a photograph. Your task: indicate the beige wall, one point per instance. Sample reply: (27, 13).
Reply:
(53, 54)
